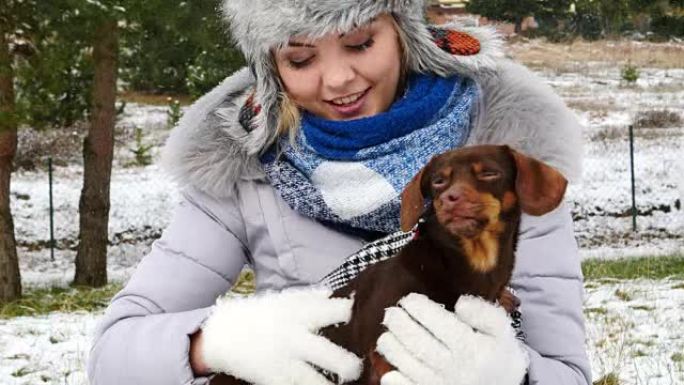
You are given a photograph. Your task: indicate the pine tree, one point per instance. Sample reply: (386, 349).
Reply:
(163, 55)
(11, 14)
(71, 76)
(101, 20)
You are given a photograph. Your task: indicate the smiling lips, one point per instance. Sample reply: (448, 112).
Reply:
(350, 105)
(347, 99)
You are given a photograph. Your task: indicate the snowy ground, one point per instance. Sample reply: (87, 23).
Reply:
(602, 201)
(635, 328)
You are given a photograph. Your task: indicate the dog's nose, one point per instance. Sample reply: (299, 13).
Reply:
(453, 195)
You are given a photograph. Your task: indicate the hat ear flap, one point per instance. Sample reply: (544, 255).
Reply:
(540, 188)
(267, 98)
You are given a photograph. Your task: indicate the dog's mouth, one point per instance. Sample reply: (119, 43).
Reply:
(462, 224)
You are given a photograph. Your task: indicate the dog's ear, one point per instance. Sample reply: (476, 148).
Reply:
(540, 188)
(412, 202)
(414, 195)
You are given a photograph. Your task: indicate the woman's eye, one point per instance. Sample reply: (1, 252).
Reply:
(363, 46)
(299, 63)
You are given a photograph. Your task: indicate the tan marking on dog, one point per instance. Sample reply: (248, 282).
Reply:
(509, 201)
(477, 167)
(446, 171)
(482, 251)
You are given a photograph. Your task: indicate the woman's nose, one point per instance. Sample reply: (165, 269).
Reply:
(337, 75)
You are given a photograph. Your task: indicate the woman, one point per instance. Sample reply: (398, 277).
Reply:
(293, 164)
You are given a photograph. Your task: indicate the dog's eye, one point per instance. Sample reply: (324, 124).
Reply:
(439, 181)
(489, 176)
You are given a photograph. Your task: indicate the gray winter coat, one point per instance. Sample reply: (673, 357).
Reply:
(230, 216)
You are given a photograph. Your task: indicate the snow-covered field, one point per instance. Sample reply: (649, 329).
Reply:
(635, 328)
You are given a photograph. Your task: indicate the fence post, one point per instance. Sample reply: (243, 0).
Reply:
(631, 167)
(52, 220)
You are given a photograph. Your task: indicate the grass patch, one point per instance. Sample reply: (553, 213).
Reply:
(634, 268)
(42, 301)
(657, 119)
(577, 55)
(646, 343)
(623, 295)
(642, 307)
(678, 357)
(608, 379)
(678, 286)
(36, 302)
(23, 371)
(596, 310)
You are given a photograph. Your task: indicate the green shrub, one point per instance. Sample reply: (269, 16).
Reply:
(658, 119)
(589, 26)
(174, 113)
(141, 151)
(668, 25)
(630, 73)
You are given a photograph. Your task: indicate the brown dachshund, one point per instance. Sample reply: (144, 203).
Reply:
(465, 241)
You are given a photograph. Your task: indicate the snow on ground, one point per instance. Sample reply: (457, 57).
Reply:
(49, 349)
(635, 328)
(141, 205)
(602, 201)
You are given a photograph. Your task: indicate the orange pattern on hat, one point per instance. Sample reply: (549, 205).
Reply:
(455, 42)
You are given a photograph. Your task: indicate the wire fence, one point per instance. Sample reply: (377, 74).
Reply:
(628, 198)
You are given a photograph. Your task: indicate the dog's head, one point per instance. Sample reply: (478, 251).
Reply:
(473, 188)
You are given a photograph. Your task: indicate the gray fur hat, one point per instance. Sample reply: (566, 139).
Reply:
(258, 26)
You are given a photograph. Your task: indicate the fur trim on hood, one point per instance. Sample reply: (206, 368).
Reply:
(211, 150)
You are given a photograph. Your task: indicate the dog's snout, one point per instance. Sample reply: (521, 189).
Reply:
(454, 195)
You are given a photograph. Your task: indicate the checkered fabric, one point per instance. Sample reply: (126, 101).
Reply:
(516, 317)
(383, 249)
(373, 252)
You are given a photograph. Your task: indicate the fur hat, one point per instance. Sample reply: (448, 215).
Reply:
(258, 26)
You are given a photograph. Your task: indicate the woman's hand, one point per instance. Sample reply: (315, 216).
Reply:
(429, 345)
(271, 338)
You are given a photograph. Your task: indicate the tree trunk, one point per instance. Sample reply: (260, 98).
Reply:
(518, 25)
(10, 279)
(98, 148)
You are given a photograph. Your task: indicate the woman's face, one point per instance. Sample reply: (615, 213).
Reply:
(342, 77)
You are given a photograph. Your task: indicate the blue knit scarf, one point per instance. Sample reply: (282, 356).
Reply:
(350, 174)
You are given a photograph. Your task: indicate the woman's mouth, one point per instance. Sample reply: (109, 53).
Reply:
(349, 106)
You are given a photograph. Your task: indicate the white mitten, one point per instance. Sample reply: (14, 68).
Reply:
(429, 345)
(271, 338)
